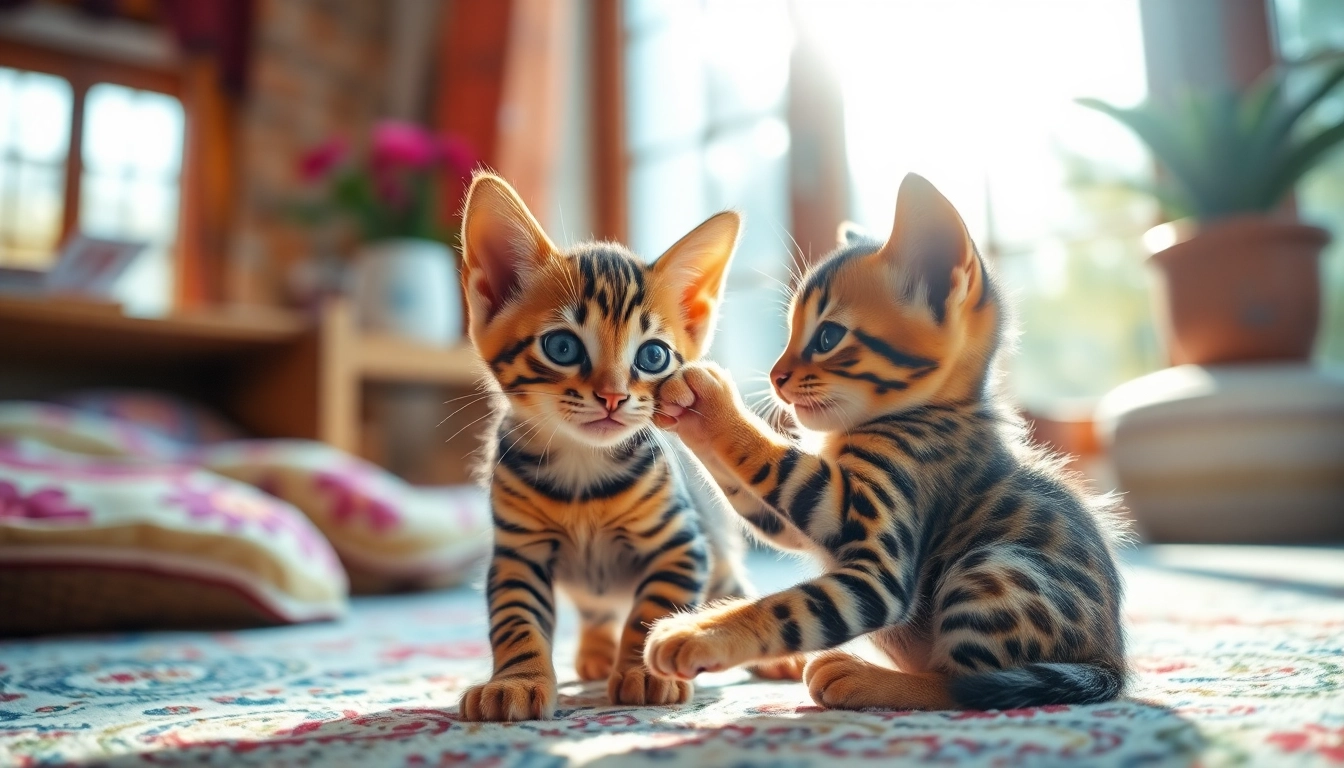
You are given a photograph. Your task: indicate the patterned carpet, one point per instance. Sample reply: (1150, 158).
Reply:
(1239, 653)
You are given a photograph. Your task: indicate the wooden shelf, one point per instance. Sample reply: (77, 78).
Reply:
(389, 359)
(49, 329)
(275, 373)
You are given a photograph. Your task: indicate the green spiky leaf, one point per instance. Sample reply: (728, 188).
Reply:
(1299, 161)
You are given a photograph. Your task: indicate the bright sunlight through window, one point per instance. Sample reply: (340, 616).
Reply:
(34, 141)
(985, 111)
(132, 153)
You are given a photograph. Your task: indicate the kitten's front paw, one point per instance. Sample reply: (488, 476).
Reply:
(593, 666)
(697, 403)
(509, 699)
(675, 398)
(682, 647)
(638, 686)
(834, 679)
(715, 395)
(787, 668)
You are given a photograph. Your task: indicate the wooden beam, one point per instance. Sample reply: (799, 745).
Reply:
(87, 69)
(470, 85)
(410, 50)
(611, 217)
(74, 161)
(209, 184)
(536, 74)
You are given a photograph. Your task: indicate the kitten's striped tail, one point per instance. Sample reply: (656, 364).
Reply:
(1037, 685)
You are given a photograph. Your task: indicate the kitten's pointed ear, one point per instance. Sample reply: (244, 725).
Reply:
(929, 248)
(850, 233)
(695, 269)
(501, 243)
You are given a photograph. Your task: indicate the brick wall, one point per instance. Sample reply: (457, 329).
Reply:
(318, 70)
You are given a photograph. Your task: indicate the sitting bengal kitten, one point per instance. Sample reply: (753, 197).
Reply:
(969, 558)
(584, 493)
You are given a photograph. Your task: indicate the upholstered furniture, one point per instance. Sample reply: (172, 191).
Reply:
(1250, 453)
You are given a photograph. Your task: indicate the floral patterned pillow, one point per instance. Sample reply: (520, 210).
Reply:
(169, 417)
(390, 535)
(82, 432)
(95, 543)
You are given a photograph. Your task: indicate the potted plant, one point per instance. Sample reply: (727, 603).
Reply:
(1238, 280)
(404, 278)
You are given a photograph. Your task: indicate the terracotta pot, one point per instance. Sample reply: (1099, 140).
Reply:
(1238, 290)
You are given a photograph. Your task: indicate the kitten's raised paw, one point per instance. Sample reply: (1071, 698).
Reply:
(835, 679)
(680, 647)
(509, 699)
(787, 668)
(638, 686)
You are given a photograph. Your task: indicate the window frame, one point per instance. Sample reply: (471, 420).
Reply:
(82, 73)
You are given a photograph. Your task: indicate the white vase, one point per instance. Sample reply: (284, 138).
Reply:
(408, 287)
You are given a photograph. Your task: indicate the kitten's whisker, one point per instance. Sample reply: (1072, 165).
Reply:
(518, 426)
(795, 253)
(459, 410)
(481, 394)
(769, 276)
(524, 436)
(473, 422)
(484, 395)
(542, 456)
(477, 393)
(660, 439)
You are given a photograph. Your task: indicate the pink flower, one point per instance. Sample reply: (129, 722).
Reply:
(237, 509)
(390, 185)
(44, 504)
(319, 160)
(396, 143)
(459, 158)
(352, 498)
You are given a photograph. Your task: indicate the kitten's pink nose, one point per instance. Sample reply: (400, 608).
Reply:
(780, 377)
(613, 399)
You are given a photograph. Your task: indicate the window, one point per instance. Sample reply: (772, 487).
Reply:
(1308, 29)
(985, 111)
(118, 178)
(132, 160)
(35, 113)
(706, 130)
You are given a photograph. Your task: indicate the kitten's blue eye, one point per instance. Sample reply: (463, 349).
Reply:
(652, 357)
(562, 347)
(828, 335)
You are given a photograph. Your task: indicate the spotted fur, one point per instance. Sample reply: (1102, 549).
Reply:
(981, 569)
(586, 497)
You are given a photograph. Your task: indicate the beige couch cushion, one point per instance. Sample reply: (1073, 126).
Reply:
(1231, 453)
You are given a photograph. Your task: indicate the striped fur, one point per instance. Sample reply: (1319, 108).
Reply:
(979, 567)
(587, 498)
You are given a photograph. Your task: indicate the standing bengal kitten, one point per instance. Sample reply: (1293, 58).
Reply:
(965, 554)
(585, 494)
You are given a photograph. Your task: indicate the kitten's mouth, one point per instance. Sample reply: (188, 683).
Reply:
(810, 406)
(605, 426)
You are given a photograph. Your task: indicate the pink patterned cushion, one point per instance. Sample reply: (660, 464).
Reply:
(82, 432)
(187, 534)
(169, 417)
(389, 534)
